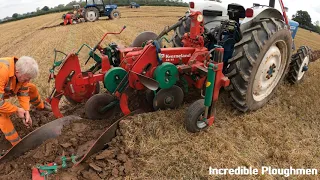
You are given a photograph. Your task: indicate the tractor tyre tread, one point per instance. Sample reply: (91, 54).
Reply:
(248, 54)
(113, 11)
(180, 31)
(296, 62)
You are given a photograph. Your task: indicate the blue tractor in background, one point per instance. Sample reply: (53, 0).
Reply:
(134, 5)
(97, 8)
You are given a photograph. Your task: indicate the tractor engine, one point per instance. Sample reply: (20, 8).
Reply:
(222, 25)
(226, 35)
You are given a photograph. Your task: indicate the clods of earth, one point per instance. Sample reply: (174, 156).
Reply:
(76, 138)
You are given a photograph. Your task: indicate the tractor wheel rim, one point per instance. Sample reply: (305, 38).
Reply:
(200, 123)
(304, 63)
(115, 15)
(270, 71)
(91, 15)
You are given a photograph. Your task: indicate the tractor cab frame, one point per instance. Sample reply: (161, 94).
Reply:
(99, 4)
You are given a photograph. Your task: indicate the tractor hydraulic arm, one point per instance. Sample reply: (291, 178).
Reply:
(168, 29)
(215, 81)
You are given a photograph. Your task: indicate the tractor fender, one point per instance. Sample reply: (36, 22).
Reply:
(209, 6)
(109, 9)
(213, 12)
(260, 13)
(111, 6)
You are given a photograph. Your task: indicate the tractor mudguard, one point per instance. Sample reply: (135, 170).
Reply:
(260, 13)
(109, 9)
(37, 137)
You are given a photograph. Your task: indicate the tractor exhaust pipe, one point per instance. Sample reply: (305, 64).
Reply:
(272, 3)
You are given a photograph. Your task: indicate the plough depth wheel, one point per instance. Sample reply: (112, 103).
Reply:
(100, 106)
(195, 120)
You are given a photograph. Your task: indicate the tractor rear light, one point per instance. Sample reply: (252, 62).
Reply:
(249, 13)
(191, 5)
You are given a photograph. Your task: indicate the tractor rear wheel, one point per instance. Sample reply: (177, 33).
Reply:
(260, 62)
(299, 64)
(115, 14)
(179, 32)
(97, 106)
(91, 14)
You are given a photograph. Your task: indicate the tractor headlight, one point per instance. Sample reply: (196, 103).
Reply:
(200, 18)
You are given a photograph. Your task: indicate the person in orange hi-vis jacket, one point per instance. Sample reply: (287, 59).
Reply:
(15, 76)
(68, 19)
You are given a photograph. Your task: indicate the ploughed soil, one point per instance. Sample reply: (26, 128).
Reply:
(75, 139)
(316, 55)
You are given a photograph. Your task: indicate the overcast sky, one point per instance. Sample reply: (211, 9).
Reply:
(9, 7)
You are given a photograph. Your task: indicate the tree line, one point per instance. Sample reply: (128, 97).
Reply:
(63, 8)
(305, 22)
